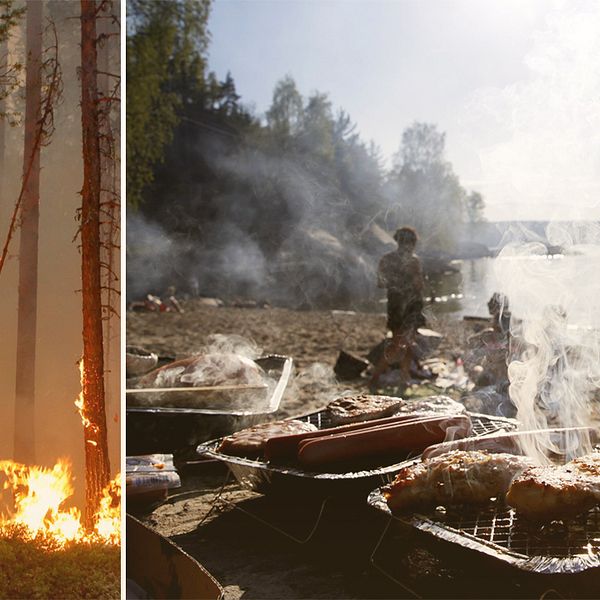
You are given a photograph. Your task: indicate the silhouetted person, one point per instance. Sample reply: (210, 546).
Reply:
(401, 274)
(487, 350)
(500, 312)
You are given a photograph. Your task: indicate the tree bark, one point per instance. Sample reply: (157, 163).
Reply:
(95, 434)
(3, 69)
(109, 232)
(24, 438)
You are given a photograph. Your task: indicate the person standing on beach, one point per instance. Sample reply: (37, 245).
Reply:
(401, 274)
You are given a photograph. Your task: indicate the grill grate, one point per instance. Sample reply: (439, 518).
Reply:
(321, 419)
(499, 525)
(481, 424)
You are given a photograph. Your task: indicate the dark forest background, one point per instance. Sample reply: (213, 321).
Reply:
(292, 207)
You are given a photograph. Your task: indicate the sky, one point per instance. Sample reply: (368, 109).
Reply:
(514, 84)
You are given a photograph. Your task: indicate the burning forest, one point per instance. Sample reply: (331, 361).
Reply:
(60, 500)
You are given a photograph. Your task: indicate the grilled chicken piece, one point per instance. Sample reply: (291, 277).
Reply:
(457, 477)
(548, 493)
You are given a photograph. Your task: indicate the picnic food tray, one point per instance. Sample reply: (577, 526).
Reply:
(152, 429)
(263, 477)
(496, 530)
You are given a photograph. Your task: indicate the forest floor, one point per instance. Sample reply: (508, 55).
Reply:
(250, 559)
(37, 569)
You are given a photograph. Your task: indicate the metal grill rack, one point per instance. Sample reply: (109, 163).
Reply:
(260, 476)
(482, 424)
(499, 525)
(496, 530)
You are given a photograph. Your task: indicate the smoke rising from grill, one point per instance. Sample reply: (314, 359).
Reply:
(555, 347)
(551, 120)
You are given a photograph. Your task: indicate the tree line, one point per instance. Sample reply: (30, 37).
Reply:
(297, 188)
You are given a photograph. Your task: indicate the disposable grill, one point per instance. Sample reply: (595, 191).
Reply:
(496, 530)
(263, 477)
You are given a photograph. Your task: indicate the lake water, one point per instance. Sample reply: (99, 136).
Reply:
(465, 292)
(570, 281)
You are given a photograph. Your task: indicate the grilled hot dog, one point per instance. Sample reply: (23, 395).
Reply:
(401, 438)
(284, 447)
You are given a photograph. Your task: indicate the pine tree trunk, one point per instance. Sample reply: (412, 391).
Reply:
(95, 435)
(28, 246)
(108, 176)
(3, 69)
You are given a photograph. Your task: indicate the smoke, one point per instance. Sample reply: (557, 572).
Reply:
(543, 160)
(225, 262)
(319, 380)
(555, 333)
(151, 254)
(281, 236)
(58, 426)
(232, 344)
(544, 157)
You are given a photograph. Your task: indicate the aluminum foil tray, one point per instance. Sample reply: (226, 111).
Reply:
(263, 477)
(497, 531)
(171, 430)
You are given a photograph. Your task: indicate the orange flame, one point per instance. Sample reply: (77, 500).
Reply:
(39, 497)
(88, 426)
(107, 521)
(79, 403)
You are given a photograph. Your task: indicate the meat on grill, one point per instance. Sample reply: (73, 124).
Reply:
(547, 493)
(213, 369)
(363, 407)
(457, 477)
(251, 442)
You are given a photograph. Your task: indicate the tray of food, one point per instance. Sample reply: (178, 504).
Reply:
(356, 441)
(173, 408)
(215, 383)
(543, 520)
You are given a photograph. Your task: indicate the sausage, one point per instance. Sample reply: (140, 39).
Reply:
(282, 447)
(399, 438)
(504, 441)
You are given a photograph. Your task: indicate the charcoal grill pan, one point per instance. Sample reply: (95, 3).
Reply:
(155, 429)
(266, 478)
(496, 531)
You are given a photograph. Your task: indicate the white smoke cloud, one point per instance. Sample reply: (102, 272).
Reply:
(544, 159)
(555, 304)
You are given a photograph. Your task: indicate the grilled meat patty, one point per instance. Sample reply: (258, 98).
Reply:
(457, 477)
(547, 493)
(432, 404)
(364, 407)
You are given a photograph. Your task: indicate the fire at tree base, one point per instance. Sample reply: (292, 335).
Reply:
(45, 552)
